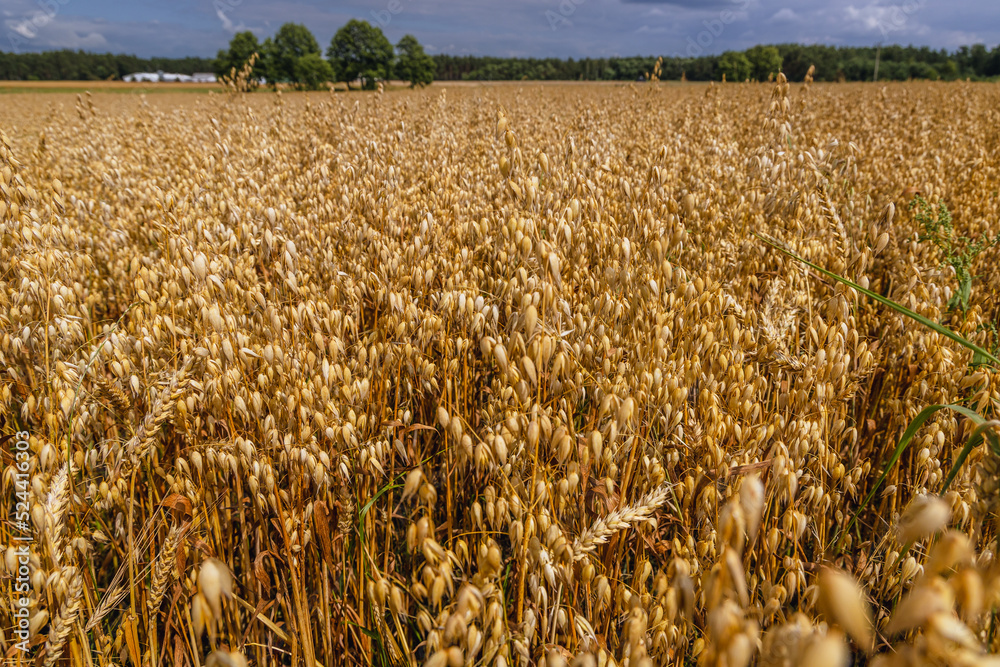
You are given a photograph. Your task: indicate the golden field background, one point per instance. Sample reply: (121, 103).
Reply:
(497, 375)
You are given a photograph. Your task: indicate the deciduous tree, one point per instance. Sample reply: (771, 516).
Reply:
(412, 63)
(360, 51)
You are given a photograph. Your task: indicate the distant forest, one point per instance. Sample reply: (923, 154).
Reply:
(82, 66)
(832, 64)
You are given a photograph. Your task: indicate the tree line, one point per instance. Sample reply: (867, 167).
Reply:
(360, 53)
(67, 65)
(832, 63)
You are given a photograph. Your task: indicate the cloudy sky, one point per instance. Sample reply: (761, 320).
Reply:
(542, 28)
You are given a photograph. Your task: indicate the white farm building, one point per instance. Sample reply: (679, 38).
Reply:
(155, 77)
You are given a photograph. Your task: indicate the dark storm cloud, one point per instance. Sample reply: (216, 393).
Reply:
(562, 28)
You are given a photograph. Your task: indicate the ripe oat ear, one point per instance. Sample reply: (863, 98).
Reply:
(844, 603)
(924, 516)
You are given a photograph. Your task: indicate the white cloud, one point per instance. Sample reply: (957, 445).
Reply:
(887, 19)
(54, 32)
(952, 39)
(32, 25)
(227, 23)
(22, 28)
(785, 14)
(91, 40)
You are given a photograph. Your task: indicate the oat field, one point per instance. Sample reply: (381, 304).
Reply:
(501, 375)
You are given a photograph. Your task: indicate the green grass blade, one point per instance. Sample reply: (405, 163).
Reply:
(908, 434)
(899, 308)
(983, 429)
(381, 492)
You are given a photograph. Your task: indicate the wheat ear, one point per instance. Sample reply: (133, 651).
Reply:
(62, 624)
(603, 528)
